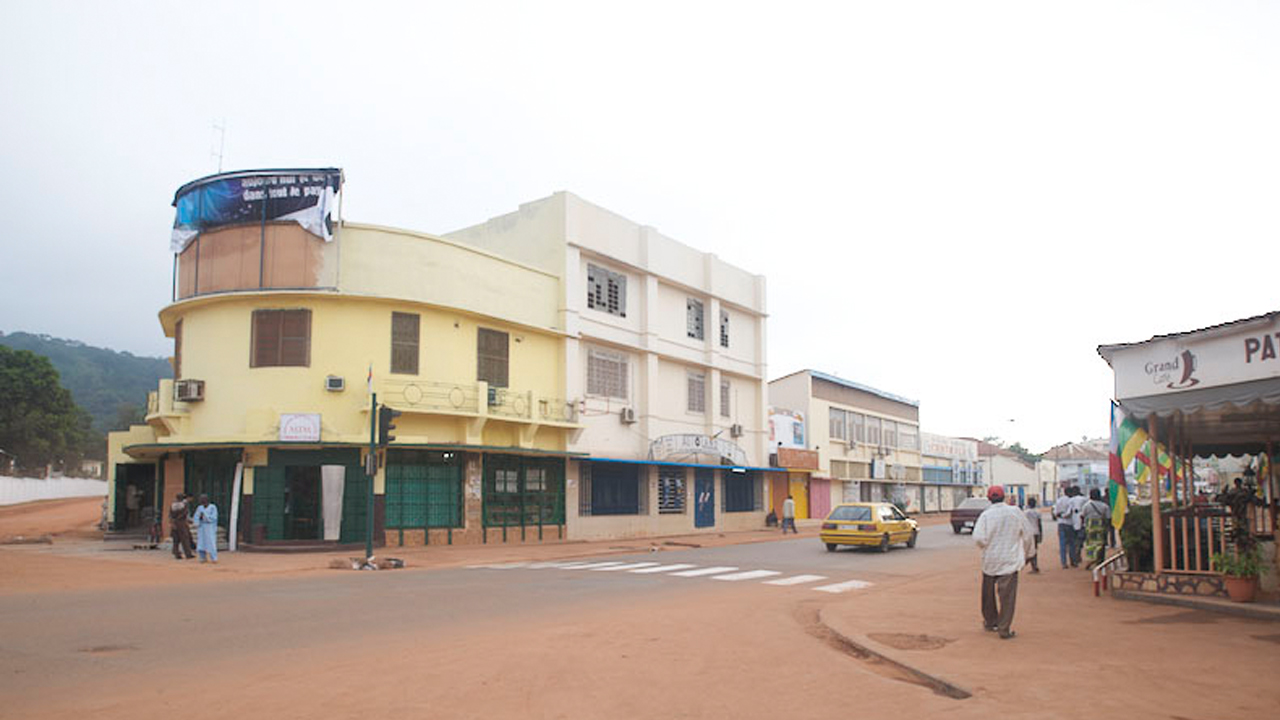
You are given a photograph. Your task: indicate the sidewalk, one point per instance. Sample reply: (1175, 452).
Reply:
(1074, 655)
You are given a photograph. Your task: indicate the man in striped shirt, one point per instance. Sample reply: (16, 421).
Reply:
(1007, 540)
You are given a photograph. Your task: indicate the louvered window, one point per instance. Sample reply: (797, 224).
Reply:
(606, 291)
(724, 328)
(281, 338)
(491, 352)
(693, 318)
(404, 343)
(725, 396)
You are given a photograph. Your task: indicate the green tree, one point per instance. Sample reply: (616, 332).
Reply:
(39, 422)
(1028, 456)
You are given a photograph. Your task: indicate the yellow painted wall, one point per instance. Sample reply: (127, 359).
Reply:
(348, 334)
(116, 443)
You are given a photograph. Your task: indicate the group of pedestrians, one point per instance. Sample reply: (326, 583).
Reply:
(205, 517)
(1082, 527)
(1010, 539)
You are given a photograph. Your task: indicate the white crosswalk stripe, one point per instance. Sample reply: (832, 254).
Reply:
(728, 573)
(747, 575)
(664, 568)
(796, 580)
(704, 571)
(844, 586)
(630, 566)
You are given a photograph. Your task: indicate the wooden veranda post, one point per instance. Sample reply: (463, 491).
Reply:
(1157, 522)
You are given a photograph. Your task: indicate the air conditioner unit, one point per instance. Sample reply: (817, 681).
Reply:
(628, 415)
(188, 390)
(497, 396)
(735, 430)
(333, 383)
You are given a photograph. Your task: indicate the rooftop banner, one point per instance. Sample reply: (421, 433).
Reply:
(307, 197)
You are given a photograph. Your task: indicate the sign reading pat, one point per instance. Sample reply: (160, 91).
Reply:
(300, 427)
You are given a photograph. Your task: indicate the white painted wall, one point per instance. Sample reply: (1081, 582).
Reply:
(14, 490)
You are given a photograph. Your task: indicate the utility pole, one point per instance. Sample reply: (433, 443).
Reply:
(371, 469)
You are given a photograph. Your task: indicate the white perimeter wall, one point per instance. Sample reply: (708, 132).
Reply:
(14, 490)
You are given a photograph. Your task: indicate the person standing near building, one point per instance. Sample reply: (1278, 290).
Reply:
(789, 515)
(133, 504)
(1096, 517)
(206, 518)
(1078, 501)
(179, 529)
(1006, 540)
(1062, 509)
(1035, 521)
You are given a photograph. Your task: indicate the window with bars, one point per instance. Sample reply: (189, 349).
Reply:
(423, 490)
(889, 434)
(857, 427)
(908, 437)
(404, 343)
(671, 490)
(724, 328)
(281, 338)
(606, 291)
(836, 424)
(740, 492)
(873, 431)
(610, 489)
(697, 401)
(491, 357)
(522, 492)
(607, 374)
(726, 394)
(693, 318)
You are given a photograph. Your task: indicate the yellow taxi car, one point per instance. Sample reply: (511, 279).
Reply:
(875, 524)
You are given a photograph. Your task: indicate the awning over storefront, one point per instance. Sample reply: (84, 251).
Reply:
(664, 463)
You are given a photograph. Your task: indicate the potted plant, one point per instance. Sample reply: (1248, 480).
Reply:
(1240, 572)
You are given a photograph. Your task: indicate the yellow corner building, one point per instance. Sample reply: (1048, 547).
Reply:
(286, 322)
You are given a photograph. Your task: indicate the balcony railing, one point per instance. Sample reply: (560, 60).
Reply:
(475, 399)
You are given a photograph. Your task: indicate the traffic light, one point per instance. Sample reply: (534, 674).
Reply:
(386, 423)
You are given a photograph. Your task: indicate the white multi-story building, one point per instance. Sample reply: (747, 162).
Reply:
(1082, 464)
(1006, 468)
(665, 356)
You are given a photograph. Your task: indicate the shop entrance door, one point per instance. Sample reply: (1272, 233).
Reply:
(302, 502)
(704, 493)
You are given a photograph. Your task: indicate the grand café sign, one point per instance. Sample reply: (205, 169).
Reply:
(1241, 352)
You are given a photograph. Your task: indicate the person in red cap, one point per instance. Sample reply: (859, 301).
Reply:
(1007, 540)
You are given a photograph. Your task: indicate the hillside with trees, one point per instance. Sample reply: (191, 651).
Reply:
(111, 386)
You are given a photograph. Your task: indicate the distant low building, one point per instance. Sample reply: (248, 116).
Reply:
(1006, 468)
(1083, 464)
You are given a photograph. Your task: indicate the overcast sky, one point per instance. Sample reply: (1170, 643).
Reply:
(953, 201)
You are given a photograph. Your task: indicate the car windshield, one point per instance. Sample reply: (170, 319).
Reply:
(851, 512)
(974, 504)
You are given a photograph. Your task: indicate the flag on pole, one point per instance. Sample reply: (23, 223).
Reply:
(1122, 432)
(369, 380)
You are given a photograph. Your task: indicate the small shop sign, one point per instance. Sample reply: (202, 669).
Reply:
(299, 427)
(669, 446)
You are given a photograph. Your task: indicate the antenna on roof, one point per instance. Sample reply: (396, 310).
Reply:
(221, 128)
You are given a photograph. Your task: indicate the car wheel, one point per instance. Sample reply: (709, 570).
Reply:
(884, 543)
(912, 542)
(831, 547)
(955, 529)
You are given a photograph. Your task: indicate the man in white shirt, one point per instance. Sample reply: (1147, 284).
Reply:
(1006, 540)
(1063, 509)
(1078, 501)
(788, 515)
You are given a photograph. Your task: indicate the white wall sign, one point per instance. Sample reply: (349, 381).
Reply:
(948, 447)
(299, 427)
(669, 446)
(1251, 352)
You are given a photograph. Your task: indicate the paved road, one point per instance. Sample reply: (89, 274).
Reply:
(55, 644)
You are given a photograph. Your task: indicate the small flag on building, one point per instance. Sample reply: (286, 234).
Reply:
(369, 380)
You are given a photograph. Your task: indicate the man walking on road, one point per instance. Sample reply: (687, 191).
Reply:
(1063, 509)
(1006, 540)
(789, 516)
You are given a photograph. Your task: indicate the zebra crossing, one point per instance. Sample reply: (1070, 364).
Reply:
(723, 573)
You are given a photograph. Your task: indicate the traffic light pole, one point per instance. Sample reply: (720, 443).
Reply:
(372, 468)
